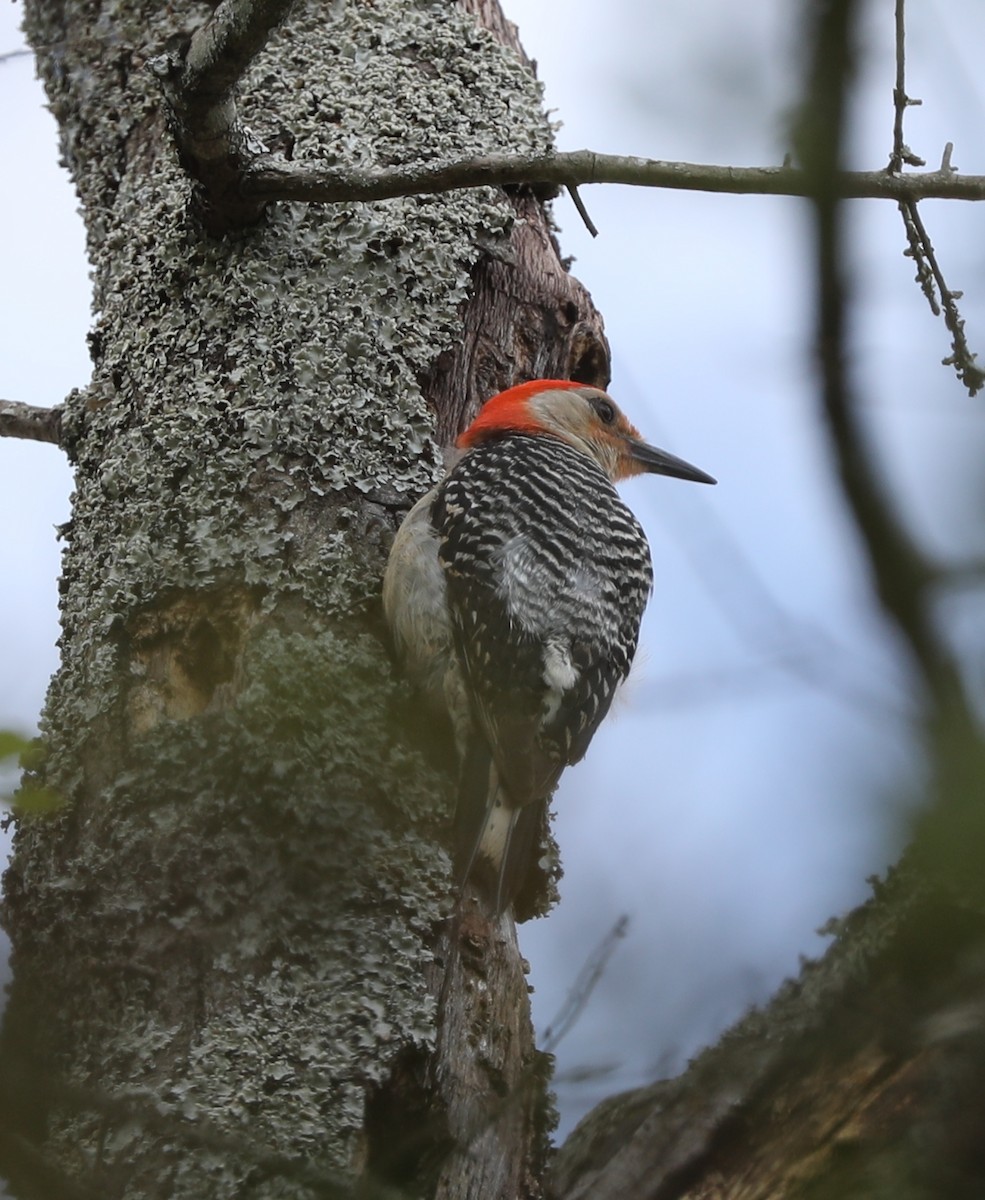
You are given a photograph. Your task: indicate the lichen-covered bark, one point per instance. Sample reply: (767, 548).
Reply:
(236, 972)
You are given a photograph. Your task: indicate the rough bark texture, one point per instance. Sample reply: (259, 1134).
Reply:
(553, 327)
(236, 972)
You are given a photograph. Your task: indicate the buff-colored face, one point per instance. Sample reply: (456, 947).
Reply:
(591, 421)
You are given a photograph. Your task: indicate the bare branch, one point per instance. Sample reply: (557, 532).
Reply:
(237, 177)
(929, 272)
(268, 178)
(915, 249)
(26, 421)
(901, 101)
(220, 53)
(919, 246)
(199, 86)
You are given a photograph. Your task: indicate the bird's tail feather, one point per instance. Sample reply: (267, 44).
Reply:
(494, 838)
(515, 862)
(477, 791)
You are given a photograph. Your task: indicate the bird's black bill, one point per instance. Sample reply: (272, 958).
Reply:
(659, 462)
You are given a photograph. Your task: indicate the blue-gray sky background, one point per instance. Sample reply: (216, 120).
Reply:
(764, 757)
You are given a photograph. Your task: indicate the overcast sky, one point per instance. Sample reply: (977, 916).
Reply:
(763, 759)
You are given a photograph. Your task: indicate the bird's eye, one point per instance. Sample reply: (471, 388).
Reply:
(606, 411)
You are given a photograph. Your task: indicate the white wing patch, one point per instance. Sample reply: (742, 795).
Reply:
(495, 835)
(560, 676)
(559, 670)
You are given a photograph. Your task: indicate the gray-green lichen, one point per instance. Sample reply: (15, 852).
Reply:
(239, 383)
(312, 993)
(253, 422)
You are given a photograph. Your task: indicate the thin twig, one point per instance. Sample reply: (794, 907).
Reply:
(929, 275)
(26, 421)
(583, 986)
(899, 91)
(915, 249)
(921, 250)
(901, 101)
(268, 178)
(582, 210)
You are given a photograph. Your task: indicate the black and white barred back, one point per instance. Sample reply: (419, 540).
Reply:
(548, 573)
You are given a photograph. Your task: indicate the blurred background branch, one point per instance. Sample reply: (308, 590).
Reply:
(900, 574)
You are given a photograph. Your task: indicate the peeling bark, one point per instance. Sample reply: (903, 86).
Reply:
(549, 330)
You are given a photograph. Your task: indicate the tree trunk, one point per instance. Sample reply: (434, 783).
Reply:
(236, 967)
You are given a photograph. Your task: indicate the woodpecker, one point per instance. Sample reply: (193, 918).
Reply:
(514, 594)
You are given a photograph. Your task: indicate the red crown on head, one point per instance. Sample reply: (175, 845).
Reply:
(510, 411)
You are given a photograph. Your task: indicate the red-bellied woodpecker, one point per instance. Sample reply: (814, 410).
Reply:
(514, 594)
